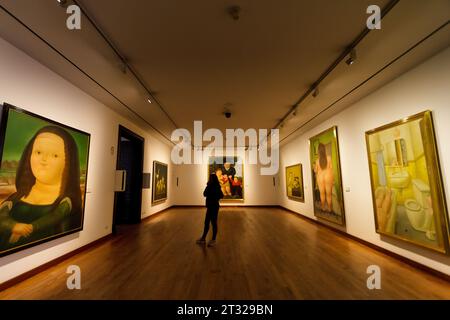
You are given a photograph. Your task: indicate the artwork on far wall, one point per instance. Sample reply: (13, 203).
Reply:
(43, 177)
(230, 171)
(294, 182)
(326, 175)
(159, 192)
(407, 190)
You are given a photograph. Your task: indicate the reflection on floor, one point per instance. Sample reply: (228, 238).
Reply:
(405, 229)
(262, 253)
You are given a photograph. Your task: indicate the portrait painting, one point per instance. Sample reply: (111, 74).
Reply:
(159, 193)
(326, 177)
(294, 182)
(407, 189)
(43, 176)
(230, 171)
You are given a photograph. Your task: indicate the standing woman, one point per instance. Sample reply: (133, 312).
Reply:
(213, 194)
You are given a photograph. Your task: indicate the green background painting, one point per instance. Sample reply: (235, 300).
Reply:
(328, 138)
(20, 128)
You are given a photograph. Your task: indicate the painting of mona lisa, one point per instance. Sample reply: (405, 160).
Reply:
(42, 179)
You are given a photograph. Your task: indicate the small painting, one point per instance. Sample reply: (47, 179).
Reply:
(159, 193)
(43, 177)
(294, 182)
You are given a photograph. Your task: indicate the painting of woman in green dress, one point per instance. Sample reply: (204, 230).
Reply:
(46, 200)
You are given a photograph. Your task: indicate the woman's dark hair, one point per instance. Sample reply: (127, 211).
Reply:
(213, 180)
(70, 184)
(322, 156)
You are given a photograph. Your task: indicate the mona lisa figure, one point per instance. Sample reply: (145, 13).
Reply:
(47, 200)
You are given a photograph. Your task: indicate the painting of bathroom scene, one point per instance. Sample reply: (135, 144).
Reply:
(407, 189)
(294, 183)
(326, 177)
(43, 176)
(230, 171)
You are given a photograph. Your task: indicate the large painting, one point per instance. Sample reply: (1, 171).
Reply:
(230, 171)
(294, 182)
(326, 176)
(159, 193)
(407, 190)
(43, 176)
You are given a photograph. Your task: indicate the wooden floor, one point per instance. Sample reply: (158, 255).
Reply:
(262, 253)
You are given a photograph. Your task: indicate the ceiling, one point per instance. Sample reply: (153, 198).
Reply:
(195, 59)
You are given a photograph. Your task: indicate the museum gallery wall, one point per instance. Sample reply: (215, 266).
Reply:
(294, 182)
(395, 165)
(35, 88)
(43, 177)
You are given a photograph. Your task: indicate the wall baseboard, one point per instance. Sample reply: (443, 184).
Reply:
(51, 263)
(394, 255)
(156, 214)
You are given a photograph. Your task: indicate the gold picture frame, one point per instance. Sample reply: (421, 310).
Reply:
(408, 195)
(159, 182)
(328, 194)
(294, 182)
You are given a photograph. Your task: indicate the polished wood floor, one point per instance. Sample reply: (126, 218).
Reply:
(262, 253)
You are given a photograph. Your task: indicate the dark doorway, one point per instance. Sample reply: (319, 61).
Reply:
(130, 157)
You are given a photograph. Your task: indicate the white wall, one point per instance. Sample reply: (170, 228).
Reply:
(258, 189)
(424, 87)
(31, 86)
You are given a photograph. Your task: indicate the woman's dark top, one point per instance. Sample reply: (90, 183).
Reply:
(213, 194)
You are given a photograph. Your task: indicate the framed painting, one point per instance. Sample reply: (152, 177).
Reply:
(407, 189)
(294, 182)
(43, 176)
(230, 171)
(159, 193)
(326, 177)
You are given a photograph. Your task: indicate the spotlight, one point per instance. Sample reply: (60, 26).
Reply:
(61, 2)
(149, 101)
(351, 60)
(295, 112)
(315, 92)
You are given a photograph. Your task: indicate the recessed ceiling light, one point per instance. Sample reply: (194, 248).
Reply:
(149, 101)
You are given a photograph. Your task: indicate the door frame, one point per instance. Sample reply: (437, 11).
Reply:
(137, 137)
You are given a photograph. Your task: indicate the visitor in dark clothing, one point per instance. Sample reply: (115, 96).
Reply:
(213, 194)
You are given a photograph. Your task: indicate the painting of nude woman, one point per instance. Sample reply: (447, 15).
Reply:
(42, 179)
(326, 176)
